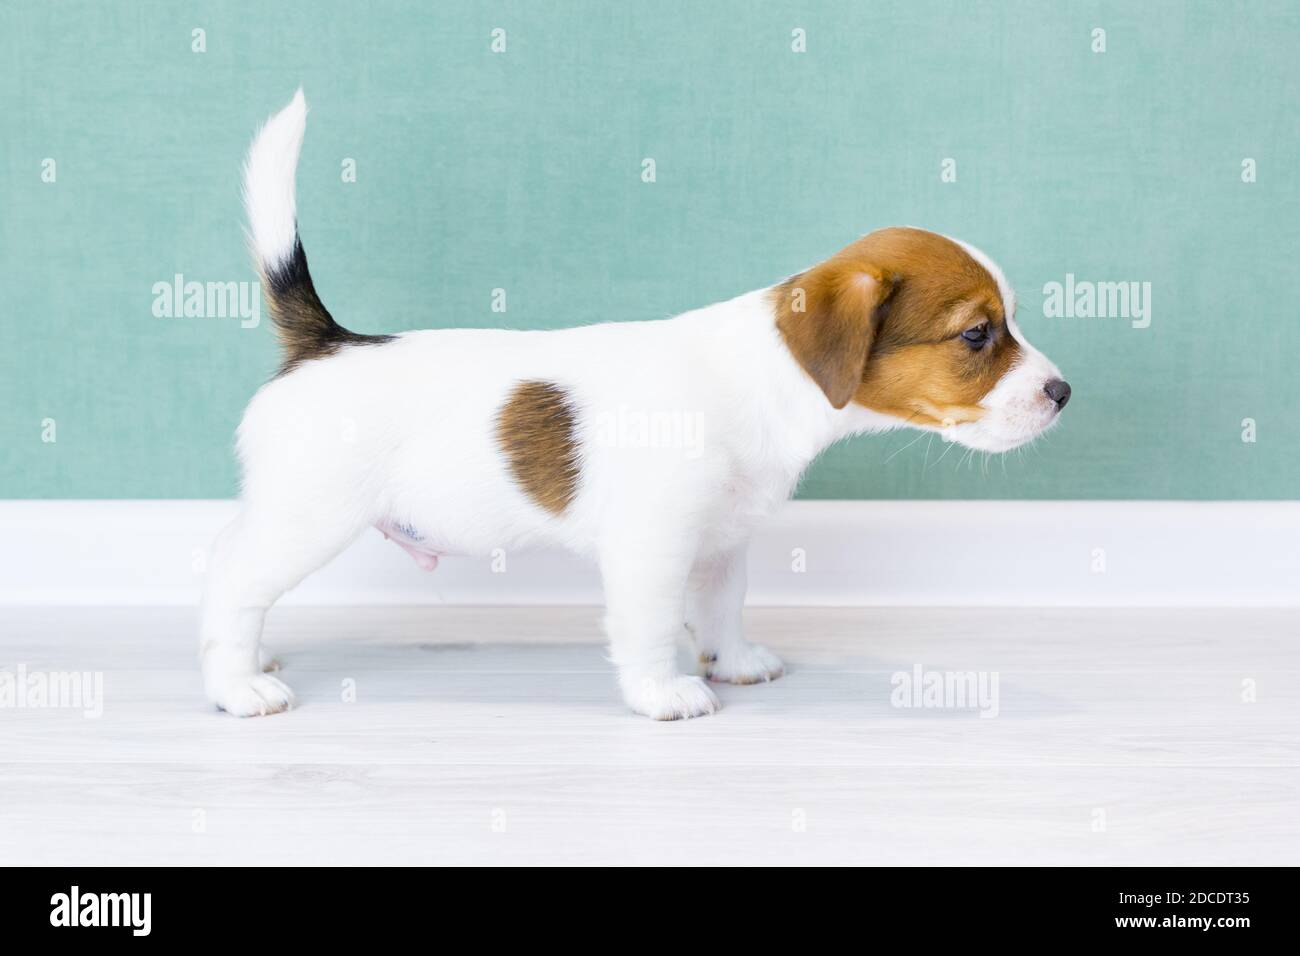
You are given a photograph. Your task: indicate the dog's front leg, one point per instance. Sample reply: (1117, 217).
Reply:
(644, 571)
(715, 598)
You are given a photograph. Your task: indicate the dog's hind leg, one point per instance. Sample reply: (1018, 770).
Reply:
(258, 557)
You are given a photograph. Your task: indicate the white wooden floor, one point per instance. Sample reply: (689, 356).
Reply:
(496, 736)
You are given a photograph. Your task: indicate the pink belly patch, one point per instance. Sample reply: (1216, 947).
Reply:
(411, 541)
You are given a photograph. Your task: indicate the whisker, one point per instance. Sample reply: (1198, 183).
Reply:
(903, 449)
(945, 452)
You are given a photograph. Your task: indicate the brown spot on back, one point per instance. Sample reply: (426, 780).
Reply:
(537, 431)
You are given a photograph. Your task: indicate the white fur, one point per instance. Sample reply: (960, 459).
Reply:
(402, 434)
(1018, 409)
(269, 193)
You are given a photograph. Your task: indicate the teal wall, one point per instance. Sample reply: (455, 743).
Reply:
(521, 170)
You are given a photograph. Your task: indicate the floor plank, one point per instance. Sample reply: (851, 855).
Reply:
(495, 735)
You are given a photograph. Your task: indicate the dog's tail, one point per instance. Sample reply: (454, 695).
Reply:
(306, 328)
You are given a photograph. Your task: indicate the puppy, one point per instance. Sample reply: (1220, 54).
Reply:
(654, 447)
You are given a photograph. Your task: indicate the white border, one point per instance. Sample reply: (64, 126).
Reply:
(856, 553)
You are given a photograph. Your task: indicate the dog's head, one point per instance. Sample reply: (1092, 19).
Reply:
(921, 328)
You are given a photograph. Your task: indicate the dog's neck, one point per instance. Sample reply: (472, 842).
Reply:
(788, 420)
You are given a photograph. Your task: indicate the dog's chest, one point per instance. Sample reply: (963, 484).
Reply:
(745, 503)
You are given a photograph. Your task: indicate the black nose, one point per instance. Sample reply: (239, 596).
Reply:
(1058, 391)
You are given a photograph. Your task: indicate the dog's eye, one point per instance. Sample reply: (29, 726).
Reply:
(977, 336)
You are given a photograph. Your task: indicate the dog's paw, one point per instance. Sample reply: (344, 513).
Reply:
(672, 698)
(252, 695)
(268, 663)
(743, 663)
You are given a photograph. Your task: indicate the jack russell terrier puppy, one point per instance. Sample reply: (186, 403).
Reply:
(462, 441)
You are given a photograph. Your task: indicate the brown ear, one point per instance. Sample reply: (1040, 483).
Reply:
(827, 317)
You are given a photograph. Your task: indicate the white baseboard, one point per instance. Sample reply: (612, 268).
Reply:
(882, 553)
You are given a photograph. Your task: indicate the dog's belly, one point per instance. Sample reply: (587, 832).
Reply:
(445, 512)
(472, 516)
(412, 542)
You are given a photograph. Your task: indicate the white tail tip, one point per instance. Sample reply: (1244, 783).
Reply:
(269, 174)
